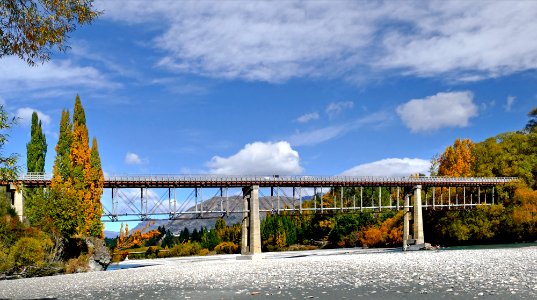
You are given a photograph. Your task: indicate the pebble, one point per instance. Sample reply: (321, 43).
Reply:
(315, 274)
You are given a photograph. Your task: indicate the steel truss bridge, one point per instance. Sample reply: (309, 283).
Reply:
(174, 197)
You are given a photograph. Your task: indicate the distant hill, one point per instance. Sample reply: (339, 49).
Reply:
(111, 234)
(235, 203)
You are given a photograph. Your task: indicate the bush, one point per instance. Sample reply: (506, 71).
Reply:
(152, 252)
(226, 248)
(77, 265)
(203, 252)
(29, 251)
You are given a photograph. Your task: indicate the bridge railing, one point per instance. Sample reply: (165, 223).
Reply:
(277, 178)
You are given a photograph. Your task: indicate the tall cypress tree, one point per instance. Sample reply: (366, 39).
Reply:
(36, 151)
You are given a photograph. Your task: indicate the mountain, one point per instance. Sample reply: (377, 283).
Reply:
(192, 221)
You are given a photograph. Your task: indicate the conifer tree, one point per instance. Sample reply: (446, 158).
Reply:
(37, 147)
(36, 151)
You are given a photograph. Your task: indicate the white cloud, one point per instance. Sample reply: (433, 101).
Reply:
(24, 116)
(259, 158)
(335, 108)
(324, 134)
(472, 39)
(16, 75)
(509, 103)
(308, 117)
(390, 167)
(133, 159)
(452, 109)
(280, 40)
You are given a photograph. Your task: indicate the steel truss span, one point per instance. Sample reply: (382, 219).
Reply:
(217, 181)
(177, 197)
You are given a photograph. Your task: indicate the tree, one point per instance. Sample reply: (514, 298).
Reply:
(457, 160)
(78, 180)
(36, 150)
(532, 123)
(63, 204)
(8, 164)
(30, 29)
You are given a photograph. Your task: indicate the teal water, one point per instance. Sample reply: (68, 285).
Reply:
(493, 246)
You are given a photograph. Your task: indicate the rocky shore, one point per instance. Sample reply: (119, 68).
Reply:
(323, 274)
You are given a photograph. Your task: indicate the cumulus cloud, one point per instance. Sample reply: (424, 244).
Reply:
(259, 158)
(276, 41)
(24, 116)
(133, 159)
(390, 167)
(509, 103)
(308, 117)
(452, 109)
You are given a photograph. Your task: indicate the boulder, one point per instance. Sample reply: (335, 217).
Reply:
(99, 255)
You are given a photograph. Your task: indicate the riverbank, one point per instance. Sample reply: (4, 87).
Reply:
(322, 274)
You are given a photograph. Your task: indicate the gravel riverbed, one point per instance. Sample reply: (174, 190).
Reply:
(322, 274)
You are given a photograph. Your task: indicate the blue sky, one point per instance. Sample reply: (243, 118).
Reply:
(284, 87)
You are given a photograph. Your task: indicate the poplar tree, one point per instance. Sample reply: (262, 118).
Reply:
(96, 180)
(78, 180)
(63, 204)
(36, 151)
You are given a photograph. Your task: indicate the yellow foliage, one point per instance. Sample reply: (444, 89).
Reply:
(136, 238)
(458, 159)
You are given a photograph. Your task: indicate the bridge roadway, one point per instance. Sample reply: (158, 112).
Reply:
(217, 181)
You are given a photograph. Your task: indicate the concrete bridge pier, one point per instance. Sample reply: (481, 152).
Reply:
(16, 198)
(417, 241)
(251, 224)
(418, 216)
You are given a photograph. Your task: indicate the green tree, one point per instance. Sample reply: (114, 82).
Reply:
(36, 149)
(30, 29)
(532, 123)
(35, 208)
(8, 164)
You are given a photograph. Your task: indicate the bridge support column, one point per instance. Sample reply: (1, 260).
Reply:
(17, 200)
(406, 222)
(251, 225)
(418, 216)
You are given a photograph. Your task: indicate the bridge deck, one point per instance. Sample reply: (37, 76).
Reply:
(216, 181)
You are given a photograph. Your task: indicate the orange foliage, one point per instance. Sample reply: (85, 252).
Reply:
(457, 160)
(135, 238)
(389, 233)
(527, 211)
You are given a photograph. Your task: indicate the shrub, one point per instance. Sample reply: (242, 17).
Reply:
(29, 251)
(77, 265)
(203, 252)
(227, 248)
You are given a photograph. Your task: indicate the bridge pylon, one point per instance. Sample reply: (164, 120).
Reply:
(251, 224)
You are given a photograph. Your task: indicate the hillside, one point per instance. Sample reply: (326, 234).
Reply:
(192, 221)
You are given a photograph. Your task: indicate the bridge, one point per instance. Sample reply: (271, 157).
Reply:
(133, 197)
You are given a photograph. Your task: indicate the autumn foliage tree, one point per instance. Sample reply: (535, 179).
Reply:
(78, 180)
(458, 159)
(30, 29)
